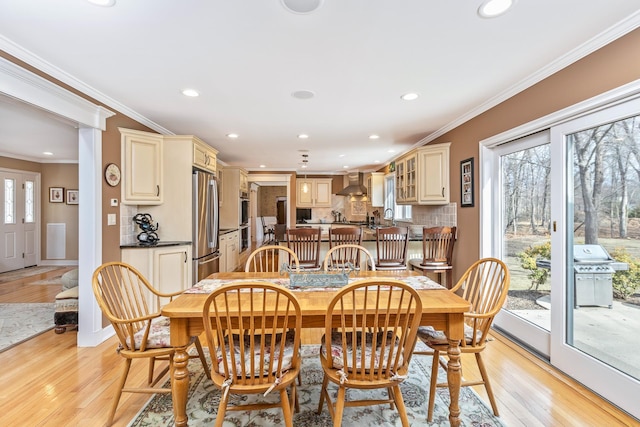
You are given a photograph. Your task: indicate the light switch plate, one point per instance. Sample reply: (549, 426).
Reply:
(111, 219)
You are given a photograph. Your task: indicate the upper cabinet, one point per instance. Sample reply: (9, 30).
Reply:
(433, 177)
(422, 176)
(313, 193)
(142, 176)
(204, 156)
(375, 189)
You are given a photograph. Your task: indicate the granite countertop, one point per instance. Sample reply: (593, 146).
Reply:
(158, 244)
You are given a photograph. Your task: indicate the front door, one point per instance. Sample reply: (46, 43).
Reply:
(18, 229)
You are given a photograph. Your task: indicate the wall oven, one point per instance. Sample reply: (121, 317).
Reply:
(244, 211)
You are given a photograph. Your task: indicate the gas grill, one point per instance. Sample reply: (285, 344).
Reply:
(593, 276)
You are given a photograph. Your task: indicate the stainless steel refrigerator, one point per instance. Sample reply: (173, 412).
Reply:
(206, 225)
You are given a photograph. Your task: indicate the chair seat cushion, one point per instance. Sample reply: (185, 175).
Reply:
(287, 360)
(432, 337)
(67, 301)
(429, 264)
(337, 355)
(159, 336)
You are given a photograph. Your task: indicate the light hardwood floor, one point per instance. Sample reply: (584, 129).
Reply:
(48, 381)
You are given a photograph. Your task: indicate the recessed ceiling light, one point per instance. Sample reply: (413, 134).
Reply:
(303, 136)
(47, 153)
(341, 155)
(103, 3)
(409, 96)
(376, 161)
(301, 6)
(345, 166)
(493, 8)
(190, 92)
(263, 166)
(303, 94)
(391, 151)
(232, 135)
(374, 136)
(303, 166)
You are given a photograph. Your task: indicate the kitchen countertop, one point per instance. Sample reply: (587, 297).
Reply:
(227, 230)
(368, 234)
(158, 244)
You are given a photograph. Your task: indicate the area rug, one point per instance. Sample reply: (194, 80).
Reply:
(57, 280)
(204, 398)
(10, 276)
(19, 322)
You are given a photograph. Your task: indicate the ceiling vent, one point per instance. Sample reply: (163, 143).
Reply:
(356, 186)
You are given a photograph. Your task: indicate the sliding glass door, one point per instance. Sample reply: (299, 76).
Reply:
(522, 193)
(562, 208)
(599, 270)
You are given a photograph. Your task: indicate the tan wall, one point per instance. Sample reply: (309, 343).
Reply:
(65, 176)
(267, 196)
(608, 68)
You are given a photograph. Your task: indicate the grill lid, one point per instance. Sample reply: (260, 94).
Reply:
(591, 254)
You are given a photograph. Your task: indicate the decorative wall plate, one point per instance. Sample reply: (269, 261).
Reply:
(112, 174)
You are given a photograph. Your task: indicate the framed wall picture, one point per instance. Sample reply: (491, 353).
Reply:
(466, 183)
(56, 195)
(72, 197)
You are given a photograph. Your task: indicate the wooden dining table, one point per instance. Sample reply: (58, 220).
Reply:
(442, 309)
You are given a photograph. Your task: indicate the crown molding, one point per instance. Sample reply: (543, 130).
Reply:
(604, 38)
(30, 58)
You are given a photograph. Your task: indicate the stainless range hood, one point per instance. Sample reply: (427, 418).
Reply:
(356, 186)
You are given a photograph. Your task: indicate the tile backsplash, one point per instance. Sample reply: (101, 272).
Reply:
(128, 229)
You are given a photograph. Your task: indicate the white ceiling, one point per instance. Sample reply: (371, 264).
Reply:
(247, 57)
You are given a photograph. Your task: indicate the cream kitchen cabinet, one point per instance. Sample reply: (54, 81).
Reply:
(313, 193)
(375, 189)
(422, 176)
(433, 176)
(204, 156)
(229, 251)
(234, 195)
(407, 179)
(141, 164)
(167, 268)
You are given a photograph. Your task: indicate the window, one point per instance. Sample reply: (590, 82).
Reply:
(400, 212)
(9, 201)
(29, 202)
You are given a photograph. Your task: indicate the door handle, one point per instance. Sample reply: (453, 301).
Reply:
(442, 191)
(157, 190)
(211, 260)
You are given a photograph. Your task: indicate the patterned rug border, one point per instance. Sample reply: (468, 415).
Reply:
(30, 326)
(203, 402)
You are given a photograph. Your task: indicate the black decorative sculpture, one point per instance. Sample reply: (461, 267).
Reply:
(148, 235)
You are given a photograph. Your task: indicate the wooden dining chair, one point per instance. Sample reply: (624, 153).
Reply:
(124, 296)
(345, 235)
(485, 285)
(305, 242)
(271, 258)
(253, 331)
(391, 248)
(268, 231)
(370, 333)
(340, 257)
(437, 253)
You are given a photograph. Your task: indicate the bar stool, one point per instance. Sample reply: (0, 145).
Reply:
(437, 253)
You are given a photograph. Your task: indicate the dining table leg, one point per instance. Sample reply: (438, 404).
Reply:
(454, 378)
(180, 371)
